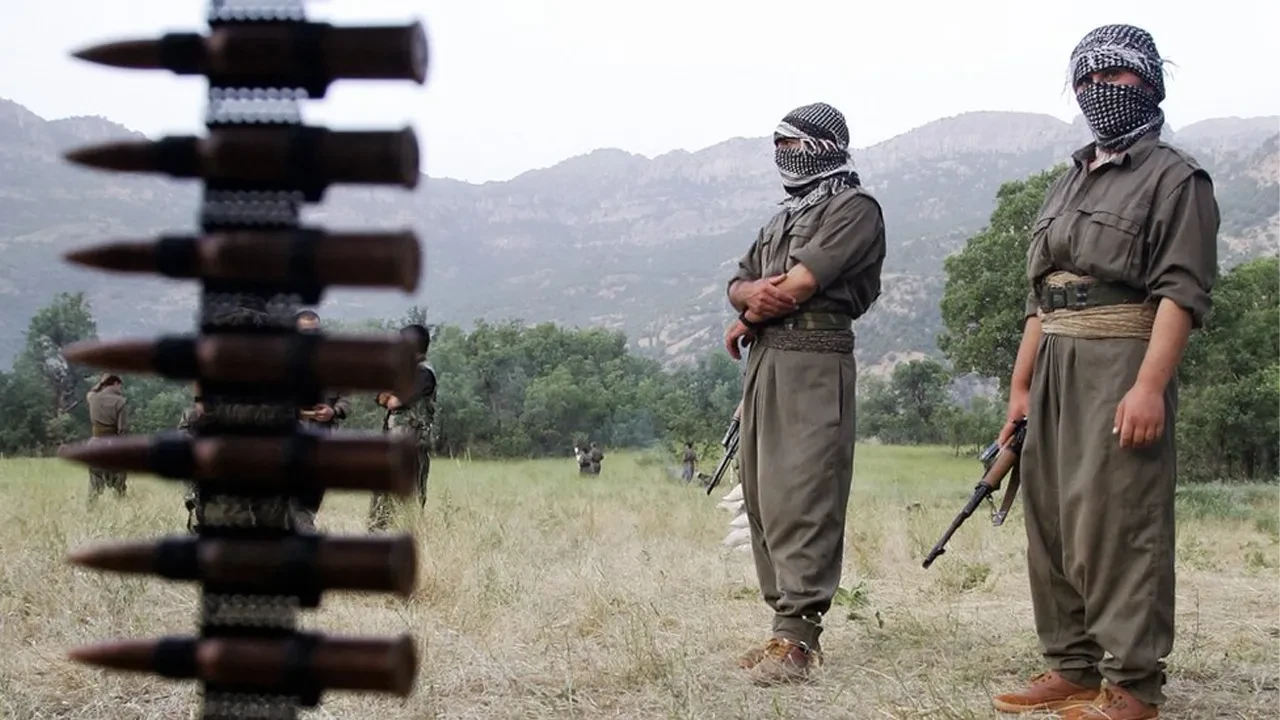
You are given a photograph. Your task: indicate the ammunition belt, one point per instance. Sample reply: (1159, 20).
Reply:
(820, 341)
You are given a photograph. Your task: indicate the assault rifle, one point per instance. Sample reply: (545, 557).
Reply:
(996, 462)
(730, 444)
(251, 461)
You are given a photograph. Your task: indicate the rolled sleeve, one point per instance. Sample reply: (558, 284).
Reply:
(847, 232)
(1184, 247)
(748, 264)
(341, 407)
(1033, 306)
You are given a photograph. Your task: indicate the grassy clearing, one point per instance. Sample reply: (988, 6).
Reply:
(543, 594)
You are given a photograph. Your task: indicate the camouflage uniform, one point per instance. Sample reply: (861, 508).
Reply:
(415, 418)
(304, 509)
(107, 418)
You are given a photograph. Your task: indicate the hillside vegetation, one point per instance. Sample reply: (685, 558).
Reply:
(608, 239)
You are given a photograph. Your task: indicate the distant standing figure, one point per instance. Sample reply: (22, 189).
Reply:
(107, 418)
(690, 462)
(187, 424)
(324, 417)
(583, 459)
(412, 416)
(596, 456)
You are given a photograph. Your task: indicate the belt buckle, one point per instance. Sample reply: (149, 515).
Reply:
(1057, 299)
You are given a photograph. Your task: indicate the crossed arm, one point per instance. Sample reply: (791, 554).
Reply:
(846, 237)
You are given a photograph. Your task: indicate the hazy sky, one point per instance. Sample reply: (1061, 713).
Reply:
(522, 84)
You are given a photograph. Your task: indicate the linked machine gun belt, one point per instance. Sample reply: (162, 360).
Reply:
(257, 265)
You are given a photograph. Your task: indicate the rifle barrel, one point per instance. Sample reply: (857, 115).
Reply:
(724, 464)
(980, 493)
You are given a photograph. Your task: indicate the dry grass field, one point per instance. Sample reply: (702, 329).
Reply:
(546, 595)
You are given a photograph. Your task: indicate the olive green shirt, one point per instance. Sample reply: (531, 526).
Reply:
(841, 240)
(1146, 218)
(107, 411)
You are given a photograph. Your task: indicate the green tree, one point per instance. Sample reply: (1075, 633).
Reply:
(44, 406)
(911, 408)
(986, 287)
(1229, 415)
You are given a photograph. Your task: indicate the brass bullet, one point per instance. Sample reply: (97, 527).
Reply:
(367, 564)
(335, 663)
(341, 460)
(347, 362)
(354, 259)
(309, 55)
(289, 157)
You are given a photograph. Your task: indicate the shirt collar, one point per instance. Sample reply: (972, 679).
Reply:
(1130, 157)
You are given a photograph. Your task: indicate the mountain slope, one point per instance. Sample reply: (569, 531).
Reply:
(607, 238)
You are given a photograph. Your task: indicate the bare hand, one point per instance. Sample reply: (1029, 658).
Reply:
(765, 299)
(1139, 417)
(1018, 402)
(393, 402)
(737, 331)
(323, 413)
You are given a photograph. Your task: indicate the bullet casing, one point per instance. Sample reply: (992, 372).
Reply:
(296, 564)
(305, 663)
(341, 460)
(307, 55)
(304, 158)
(302, 363)
(285, 259)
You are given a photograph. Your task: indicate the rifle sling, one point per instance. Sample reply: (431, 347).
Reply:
(1015, 479)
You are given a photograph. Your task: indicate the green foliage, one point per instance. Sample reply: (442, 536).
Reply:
(1229, 419)
(914, 407)
(505, 390)
(986, 287)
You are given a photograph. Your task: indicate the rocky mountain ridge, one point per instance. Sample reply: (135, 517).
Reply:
(608, 238)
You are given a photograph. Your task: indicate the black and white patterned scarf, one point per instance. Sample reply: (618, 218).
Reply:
(1119, 114)
(821, 166)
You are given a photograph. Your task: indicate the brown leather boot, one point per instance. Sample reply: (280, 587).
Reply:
(783, 660)
(1113, 703)
(1047, 691)
(752, 657)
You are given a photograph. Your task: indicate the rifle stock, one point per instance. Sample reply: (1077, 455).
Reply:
(258, 266)
(997, 462)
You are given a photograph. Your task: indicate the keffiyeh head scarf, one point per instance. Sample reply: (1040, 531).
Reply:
(822, 165)
(1119, 114)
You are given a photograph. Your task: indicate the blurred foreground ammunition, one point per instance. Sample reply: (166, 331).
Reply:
(294, 362)
(332, 461)
(286, 258)
(309, 159)
(253, 468)
(298, 664)
(373, 564)
(306, 55)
